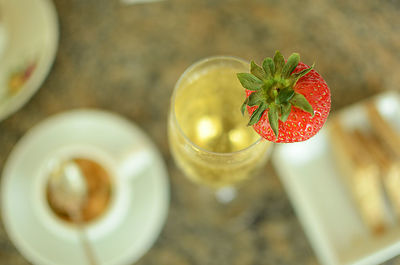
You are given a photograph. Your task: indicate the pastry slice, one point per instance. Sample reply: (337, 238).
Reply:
(362, 176)
(386, 133)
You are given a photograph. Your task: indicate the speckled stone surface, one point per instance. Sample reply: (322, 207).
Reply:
(126, 59)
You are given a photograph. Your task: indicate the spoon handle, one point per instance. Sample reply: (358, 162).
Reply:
(87, 247)
(76, 218)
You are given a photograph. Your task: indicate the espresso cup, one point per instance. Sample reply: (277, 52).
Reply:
(121, 170)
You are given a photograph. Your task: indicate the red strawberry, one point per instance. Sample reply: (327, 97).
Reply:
(288, 102)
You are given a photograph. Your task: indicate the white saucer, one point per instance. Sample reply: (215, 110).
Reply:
(28, 44)
(124, 233)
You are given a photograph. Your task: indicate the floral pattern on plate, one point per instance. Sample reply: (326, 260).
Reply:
(18, 78)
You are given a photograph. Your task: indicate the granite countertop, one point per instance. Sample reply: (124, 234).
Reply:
(126, 59)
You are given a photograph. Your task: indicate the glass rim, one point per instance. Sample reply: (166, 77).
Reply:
(172, 106)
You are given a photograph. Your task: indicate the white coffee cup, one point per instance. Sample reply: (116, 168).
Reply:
(121, 170)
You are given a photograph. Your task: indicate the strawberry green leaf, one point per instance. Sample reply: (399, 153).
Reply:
(269, 67)
(273, 118)
(297, 76)
(257, 71)
(256, 116)
(249, 81)
(285, 95)
(255, 99)
(299, 101)
(279, 62)
(290, 65)
(243, 107)
(286, 108)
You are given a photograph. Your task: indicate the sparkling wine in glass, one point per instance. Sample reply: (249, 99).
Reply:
(209, 137)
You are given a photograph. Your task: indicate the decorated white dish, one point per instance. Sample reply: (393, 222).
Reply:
(28, 44)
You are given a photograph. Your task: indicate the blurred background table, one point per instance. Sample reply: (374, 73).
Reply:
(127, 58)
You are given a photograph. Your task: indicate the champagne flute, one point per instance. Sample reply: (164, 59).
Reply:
(208, 136)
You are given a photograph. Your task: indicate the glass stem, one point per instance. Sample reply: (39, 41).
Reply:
(225, 195)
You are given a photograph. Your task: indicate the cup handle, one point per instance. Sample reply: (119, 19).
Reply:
(135, 162)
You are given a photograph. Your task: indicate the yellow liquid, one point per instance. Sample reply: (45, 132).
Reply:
(212, 144)
(212, 120)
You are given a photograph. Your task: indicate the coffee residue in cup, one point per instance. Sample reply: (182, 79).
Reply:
(99, 185)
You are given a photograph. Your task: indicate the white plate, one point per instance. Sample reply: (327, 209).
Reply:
(321, 201)
(126, 231)
(28, 45)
